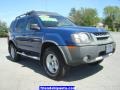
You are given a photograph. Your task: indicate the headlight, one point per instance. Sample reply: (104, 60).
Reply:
(81, 38)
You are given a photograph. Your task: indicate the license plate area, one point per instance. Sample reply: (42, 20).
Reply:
(109, 48)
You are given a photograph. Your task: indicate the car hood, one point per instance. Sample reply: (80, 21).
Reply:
(79, 29)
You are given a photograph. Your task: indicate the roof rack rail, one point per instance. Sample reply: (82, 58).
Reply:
(26, 14)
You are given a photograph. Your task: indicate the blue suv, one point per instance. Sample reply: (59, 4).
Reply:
(57, 42)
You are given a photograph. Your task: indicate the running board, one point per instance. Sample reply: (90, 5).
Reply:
(33, 57)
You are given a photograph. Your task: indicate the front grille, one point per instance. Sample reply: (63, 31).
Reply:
(102, 38)
(101, 35)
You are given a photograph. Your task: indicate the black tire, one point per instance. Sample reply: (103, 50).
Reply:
(15, 57)
(62, 67)
(95, 63)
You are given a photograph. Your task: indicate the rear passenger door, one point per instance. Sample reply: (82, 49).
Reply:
(19, 31)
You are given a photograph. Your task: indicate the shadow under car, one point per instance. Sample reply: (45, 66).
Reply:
(74, 74)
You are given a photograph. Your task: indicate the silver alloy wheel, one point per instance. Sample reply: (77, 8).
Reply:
(52, 63)
(12, 52)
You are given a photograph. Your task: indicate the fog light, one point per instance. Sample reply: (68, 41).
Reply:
(85, 59)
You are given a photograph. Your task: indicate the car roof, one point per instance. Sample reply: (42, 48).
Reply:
(31, 13)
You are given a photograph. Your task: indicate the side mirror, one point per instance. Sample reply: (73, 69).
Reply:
(34, 27)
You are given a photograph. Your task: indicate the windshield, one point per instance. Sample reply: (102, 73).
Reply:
(55, 21)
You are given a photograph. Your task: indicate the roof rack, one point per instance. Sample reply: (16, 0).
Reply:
(26, 14)
(35, 13)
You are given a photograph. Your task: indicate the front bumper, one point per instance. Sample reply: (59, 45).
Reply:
(85, 54)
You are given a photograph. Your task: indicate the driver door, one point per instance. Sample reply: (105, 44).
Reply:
(34, 36)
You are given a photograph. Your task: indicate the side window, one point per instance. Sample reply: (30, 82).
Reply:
(30, 22)
(20, 26)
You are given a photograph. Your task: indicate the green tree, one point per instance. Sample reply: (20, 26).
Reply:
(75, 16)
(84, 16)
(112, 17)
(3, 29)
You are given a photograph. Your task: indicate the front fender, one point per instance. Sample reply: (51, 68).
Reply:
(60, 43)
(56, 38)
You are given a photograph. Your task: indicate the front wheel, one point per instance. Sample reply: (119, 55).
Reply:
(53, 63)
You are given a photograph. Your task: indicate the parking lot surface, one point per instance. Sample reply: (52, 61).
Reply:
(27, 74)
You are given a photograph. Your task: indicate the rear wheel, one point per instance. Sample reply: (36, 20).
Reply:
(13, 53)
(53, 63)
